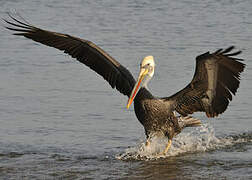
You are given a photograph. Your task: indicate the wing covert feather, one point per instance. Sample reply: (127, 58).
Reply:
(216, 78)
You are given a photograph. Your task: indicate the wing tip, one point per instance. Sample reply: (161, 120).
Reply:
(228, 52)
(14, 24)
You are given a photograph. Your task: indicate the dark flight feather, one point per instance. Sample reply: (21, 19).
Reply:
(84, 51)
(216, 78)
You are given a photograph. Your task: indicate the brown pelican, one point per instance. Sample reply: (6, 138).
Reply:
(216, 78)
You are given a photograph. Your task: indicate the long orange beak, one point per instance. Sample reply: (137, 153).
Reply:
(141, 76)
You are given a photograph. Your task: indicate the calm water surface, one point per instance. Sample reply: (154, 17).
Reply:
(60, 120)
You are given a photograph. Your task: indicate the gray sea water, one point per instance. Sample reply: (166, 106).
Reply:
(60, 120)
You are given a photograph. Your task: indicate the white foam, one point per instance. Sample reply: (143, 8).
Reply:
(199, 139)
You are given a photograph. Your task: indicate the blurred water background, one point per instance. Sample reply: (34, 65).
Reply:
(60, 120)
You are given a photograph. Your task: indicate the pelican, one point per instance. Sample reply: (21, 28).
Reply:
(216, 79)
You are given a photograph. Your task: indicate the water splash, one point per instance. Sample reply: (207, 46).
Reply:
(199, 139)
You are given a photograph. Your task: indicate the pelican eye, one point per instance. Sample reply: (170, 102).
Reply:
(146, 65)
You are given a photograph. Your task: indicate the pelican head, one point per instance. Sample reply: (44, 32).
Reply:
(146, 72)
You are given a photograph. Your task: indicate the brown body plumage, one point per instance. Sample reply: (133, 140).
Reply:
(216, 78)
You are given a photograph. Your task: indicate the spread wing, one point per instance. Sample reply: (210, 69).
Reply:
(84, 51)
(216, 78)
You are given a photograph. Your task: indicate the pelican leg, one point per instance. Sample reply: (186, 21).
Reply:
(167, 146)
